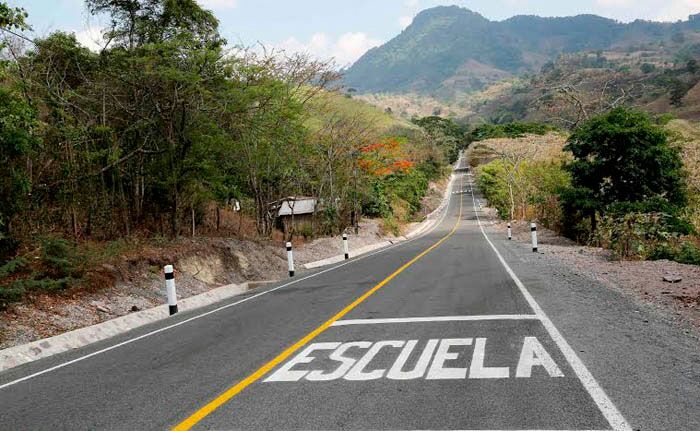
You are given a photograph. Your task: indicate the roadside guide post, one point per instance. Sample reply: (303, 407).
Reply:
(533, 229)
(170, 288)
(345, 246)
(290, 259)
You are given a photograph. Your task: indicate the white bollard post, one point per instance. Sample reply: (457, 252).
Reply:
(170, 288)
(510, 232)
(290, 259)
(345, 246)
(533, 229)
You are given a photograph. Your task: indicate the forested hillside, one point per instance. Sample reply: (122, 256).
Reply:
(160, 132)
(448, 50)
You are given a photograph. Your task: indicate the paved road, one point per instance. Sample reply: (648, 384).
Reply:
(442, 332)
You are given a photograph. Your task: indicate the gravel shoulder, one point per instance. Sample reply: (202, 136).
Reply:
(643, 349)
(641, 280)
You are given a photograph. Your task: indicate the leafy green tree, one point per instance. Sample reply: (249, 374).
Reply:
(621, 157)
(18, 127)
(647, 68)
(12, 18)
(447, 135)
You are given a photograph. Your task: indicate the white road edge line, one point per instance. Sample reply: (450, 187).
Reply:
(605, 404)
(216, 310)
(436, 319)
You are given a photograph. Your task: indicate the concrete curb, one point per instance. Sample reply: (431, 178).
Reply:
(25, 353)
(40, 349)
(430, 221)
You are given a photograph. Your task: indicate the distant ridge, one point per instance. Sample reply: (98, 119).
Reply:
(450, 47)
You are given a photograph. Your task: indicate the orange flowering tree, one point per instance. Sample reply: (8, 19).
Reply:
(385, 157)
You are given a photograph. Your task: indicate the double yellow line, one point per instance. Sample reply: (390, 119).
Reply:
(231, 392)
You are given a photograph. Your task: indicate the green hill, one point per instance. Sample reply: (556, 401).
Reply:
(452, 49)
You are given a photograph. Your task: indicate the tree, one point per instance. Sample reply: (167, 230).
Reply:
(445, 134)
(18, 140)
(621, 157)
(647, 68)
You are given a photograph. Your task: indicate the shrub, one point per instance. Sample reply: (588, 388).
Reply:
(59, 266)
(386, 193)
(683, 252)
(644, 236)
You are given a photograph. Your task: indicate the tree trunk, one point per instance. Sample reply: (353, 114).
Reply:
(174, 228)
(193, 221)
(512, 202)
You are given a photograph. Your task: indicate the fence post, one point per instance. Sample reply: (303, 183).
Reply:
(170, 288)
(290, 259)
(510, 232)
(345, 246)
(533, 229)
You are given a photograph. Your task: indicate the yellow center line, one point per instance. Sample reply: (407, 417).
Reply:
(217, 402)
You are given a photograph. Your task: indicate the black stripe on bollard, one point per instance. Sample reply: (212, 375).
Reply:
(170, 288)
(290, 259)
(533, 230)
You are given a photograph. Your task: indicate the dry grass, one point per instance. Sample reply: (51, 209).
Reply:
(689, 140)
(546, 147)
(415, 105)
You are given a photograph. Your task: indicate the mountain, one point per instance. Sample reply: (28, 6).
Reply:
(449, 48)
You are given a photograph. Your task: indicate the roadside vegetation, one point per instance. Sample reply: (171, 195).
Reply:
(621, 180)
(164, 129)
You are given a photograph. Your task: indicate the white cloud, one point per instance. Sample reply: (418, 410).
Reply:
(614, 3)
(679, 9)
(345, 50)
(405, 21)
(218, 4)
(658, 10)
(91, 38)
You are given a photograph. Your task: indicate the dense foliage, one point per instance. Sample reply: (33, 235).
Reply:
(164, 127)
(447, 134)
(623, 163)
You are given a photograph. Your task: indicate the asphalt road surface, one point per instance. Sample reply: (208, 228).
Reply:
(443, 332)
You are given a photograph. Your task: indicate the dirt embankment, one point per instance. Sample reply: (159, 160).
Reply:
(134, 280)
(645, 280)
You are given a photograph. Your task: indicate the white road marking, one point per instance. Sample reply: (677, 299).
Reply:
(477, 370)
(285, 372)
(437, 370)
(534, 354)
(355, 366)
(224, 307)
(396, 372)
(358, 373)
(435, 319)
(605, 404)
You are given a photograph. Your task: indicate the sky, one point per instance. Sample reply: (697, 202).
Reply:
(344, 29)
